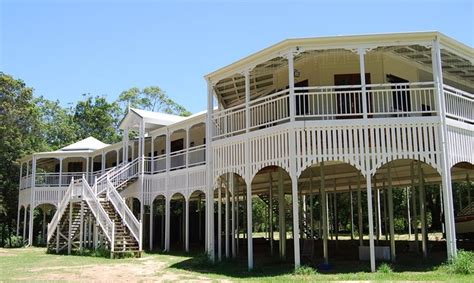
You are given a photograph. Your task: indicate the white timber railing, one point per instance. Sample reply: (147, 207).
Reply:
(125, 213)
(184, 158)
(155, 164)
(118, 175)
(25, 182)
(56, 179)
(383, 101)
(178, 159)
(99, 213)
(401, 100)
(109, 182)
(197, 155)
(459, 104)
(125, 173)
(60, 211)
(388, 100)
(228, 122)
(81, 189)
(270, 109)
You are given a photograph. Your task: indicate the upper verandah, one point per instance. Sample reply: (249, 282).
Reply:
(324, 76)
(348, 42)
(406, 55)
(156, 124)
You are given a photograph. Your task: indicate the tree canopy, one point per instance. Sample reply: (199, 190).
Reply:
(151, 98)
(97, 117)
(20, 130)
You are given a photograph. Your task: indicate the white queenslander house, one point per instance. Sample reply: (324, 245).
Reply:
(299, 125)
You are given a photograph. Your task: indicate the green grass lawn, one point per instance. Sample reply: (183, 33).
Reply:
(34, 264)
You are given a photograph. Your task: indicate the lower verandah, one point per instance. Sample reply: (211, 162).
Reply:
(406, 196)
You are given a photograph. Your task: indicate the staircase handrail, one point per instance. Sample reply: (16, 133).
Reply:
(125, 213)
(98, 211)
(102, 179)
(61, 208)
(112, 170)
(122, 170)
(124, 174)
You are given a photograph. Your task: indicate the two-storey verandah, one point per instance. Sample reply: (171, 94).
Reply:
(174, 167)
(170, 147)
(45, 176)
(391, 107)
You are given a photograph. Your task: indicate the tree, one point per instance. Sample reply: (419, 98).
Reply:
(57, 123)
(97, 117)
(20, 135)
(151, 98)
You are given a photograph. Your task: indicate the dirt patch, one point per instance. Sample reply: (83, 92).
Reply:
(145, 269)
(4, 252)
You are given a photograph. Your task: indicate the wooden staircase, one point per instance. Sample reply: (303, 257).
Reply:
(124, 241)
(125, 184)
(121, 231)
(60, 239)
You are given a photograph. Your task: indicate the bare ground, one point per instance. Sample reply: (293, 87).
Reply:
(146, 269)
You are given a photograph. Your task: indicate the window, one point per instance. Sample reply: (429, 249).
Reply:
(177, 145)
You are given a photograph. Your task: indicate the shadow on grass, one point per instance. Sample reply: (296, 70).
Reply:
(269, 267)
(174, 253)
(236, 268)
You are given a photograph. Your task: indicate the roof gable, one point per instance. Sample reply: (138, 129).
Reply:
(89, 143)
(134, 116)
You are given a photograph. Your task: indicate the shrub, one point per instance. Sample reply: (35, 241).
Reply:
(305, 270)
(14, 242)
(385, 268)
(127, 254)
(99, 252)
(462, 264)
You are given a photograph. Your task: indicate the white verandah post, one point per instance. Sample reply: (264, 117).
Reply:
(292, 150)
(227, 199)
(210, 182)
(247, 171)
(233, 213)
(445, 169)
(32, 201)
(361, 52)
(186, 227)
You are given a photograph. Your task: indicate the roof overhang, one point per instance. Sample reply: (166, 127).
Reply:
(229, 82)
(347, 42)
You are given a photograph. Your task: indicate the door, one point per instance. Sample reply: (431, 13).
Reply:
(177, 160)
(302, 101)
(349, 100)
(400, 95)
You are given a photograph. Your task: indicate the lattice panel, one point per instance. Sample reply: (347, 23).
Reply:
(229, 158)
(197, 180)
(270, 149)
(330, 143)
(386, 142)
(156, 186)
(409, 141)
(48, 195)
(460, 145)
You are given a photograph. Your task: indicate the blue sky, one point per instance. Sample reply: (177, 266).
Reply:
(66, 48)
